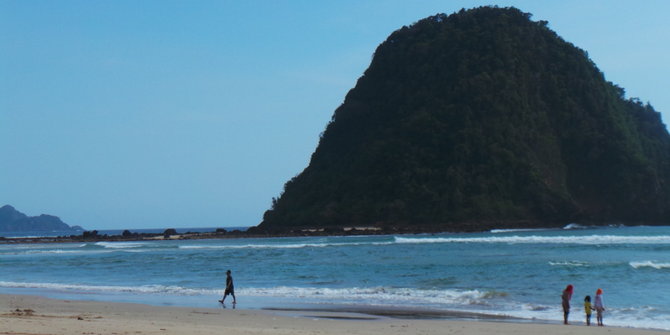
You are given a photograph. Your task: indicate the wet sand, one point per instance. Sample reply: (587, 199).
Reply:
(32, 315)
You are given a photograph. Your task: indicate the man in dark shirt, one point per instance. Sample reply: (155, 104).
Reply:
(230, 288)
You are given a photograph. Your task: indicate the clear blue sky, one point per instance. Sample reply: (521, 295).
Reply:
(155, 114)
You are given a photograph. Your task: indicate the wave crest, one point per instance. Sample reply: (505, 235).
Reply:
(375, 294)
(650, 264)
(589, 239)
(146, 289)
(569, 263)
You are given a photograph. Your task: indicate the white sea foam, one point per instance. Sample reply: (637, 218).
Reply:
(650, 264)
(590, 239)
(53, 252)
(283, 246)
(574, 226)
(145, 289)
(501, 231)
(120, 245)
(33, 252)
(63, 250)
(569, 263)
(256, 246)
(372, 294)
(378, 295)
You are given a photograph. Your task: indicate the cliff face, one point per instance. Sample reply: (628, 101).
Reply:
(12, 220)
(478, 119)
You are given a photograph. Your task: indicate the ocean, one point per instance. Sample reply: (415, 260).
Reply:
(511, 273)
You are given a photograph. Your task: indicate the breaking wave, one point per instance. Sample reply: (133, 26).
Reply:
(146, 289)
(569, 263)
(283, 246)
(372, 294)
(590, 239)
(650, 264)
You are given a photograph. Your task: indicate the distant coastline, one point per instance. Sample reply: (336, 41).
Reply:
(12, 220)
(119, 235)
(207, 233)
(179, 234)
(256, 232)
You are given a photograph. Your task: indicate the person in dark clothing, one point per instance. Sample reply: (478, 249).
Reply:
(230, 288)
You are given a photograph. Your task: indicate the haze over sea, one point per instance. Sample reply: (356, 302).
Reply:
(517, 273)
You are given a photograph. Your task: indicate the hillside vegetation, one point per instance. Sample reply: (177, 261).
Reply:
(480, 119)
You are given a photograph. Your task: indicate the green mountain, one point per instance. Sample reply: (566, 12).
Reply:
(481, 119)
(12, 220)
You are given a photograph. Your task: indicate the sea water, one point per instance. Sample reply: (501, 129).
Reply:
(513, 273)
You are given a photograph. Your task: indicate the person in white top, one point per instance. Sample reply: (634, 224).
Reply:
(598, 304)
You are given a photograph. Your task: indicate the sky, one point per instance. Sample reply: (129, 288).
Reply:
(175, 114)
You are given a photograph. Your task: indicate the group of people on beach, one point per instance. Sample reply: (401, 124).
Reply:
(566, 297)
(588, 307)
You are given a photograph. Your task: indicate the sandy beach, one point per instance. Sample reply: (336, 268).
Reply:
(32, 315)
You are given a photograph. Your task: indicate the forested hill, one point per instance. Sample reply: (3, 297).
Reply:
(482, 119)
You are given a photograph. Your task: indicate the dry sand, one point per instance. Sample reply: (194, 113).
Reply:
(28, 315)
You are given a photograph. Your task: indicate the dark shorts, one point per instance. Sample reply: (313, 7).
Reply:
(229, 291)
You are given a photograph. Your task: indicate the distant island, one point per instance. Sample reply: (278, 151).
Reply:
(12, 220)
(477, 120)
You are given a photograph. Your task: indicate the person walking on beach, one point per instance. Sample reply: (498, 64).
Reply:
(230, 288)
(565, 298)
(598, 304)
(588, 309)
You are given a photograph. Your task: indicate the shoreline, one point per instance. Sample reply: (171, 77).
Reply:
(407, 313)
(401, 273)
(25, 314)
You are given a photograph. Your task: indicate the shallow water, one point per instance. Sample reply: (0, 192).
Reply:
(518, 273)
